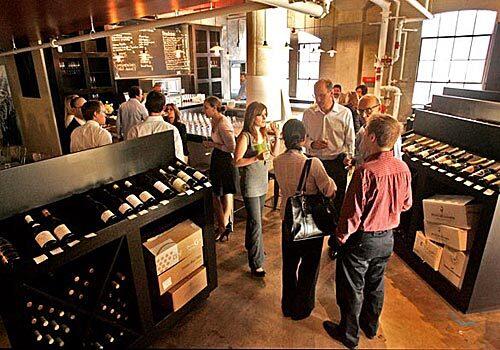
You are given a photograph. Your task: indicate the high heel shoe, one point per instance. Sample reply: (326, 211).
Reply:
(224, 236)
(229, 226)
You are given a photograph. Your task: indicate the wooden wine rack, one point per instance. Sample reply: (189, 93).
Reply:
(114, 248)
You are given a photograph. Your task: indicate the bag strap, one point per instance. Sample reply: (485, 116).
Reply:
(303, 177)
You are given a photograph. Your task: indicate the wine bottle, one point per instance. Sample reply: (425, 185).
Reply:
(59, 342)
(115, 284)
(120, 276)
(182, 175)
(143, 195)
(61, 231)
(65, 328)
(43, 321)
(109, 338)
(54, 325)
(45, 240)
(177, 184)
(165, 191)
(8, 254)
(129, 197)
(38, 336)
(430, 151)
(193, 172)
(116, 203)
(101, 211)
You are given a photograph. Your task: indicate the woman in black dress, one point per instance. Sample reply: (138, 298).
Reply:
(173, 116)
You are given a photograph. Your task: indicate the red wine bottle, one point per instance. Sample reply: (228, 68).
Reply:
(101, 211)
(140, 192)
(45, 240)
(116, 203)
(61, 231)
(129, 197)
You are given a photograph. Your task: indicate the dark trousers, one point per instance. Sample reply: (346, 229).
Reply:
(336, 170)
(254, 242)
(299, 274)
(360, 282)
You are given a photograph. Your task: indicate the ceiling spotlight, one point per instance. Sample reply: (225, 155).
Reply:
(331, 52)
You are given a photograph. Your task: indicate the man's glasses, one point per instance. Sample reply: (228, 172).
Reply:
(368, 110)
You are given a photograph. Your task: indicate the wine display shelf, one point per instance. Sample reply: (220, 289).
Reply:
(480, 285)
(115, 252)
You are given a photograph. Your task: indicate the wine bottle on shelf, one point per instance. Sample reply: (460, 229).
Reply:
(477, 160)
(43, 237)
(101, 211)
(59, 342)
(8, 254)
(38, 336)
(109, 338)
(129, 197)
(430, 151)
(192, 172)
(65, 328)
(177, 184)
(182, 175)
(116, 203)
(61, 231)
(143, 195)
(48, 338)
(120, 276)
(43, 321)
(54, 325)
(165, 191)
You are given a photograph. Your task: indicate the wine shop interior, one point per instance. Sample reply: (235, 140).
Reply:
(150, 195)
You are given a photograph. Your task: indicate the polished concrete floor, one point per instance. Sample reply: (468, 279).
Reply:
(244, 312)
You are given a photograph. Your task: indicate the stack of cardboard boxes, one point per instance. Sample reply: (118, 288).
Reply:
(178, 256)
(449, 226)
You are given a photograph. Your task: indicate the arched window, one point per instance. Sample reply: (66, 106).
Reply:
(453, 52)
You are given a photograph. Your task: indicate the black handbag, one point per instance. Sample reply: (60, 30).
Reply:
(312, 215)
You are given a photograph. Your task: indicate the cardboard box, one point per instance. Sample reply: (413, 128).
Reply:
(187, 289)
(181, 270)
(427, 250)
(453, 265)
(171, 246)
(454, 237)
(457, 211)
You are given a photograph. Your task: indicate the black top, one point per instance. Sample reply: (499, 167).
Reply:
(67, 135)
(183, 132)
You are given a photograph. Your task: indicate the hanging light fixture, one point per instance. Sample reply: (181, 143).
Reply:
(216, 49)
(332, 51)
(288, 47)
(265, 29)
(238, 42)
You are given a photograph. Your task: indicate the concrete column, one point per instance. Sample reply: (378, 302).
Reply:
(266, 65)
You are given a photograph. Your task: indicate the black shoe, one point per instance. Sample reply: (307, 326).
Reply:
(336, 333)
(368, 333)
(223, 236)
(259, 274)
(229, 226)
(299, 317)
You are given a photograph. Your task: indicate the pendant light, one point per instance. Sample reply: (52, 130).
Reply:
(216, 49)
(265, 29)
(332, 51)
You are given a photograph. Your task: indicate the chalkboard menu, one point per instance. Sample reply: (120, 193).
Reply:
(150, 52)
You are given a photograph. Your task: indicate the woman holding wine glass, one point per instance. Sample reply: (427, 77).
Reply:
(251, 157)
(222, 171)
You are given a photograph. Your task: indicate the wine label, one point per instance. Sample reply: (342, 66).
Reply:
(489, 192)
(441, 170)
(153, 207)
(73, 243)
(164, 202)
(131, 217)
(178, 184)
(106, 216)
(208, 184)
(426, 164)
(434, 167)
(143, 212)
(123, 208)
(61, 231)
(198, 176)
(183, 176)
(40, 259)
(197, 188)
(189, 192)
(468, 183)
(28, 219)
(56, 251)
(160, 186)
(478, 187)
(90, 235)
(44, 237)
(459, 179)
(132, 199)
(450, 174)
(145, 196)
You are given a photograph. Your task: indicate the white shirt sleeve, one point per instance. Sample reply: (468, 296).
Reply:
(306, 120)
(105, 138)
(179, 150)
(144, 112)
(350, 134)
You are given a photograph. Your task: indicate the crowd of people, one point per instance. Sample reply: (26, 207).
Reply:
(339, 133)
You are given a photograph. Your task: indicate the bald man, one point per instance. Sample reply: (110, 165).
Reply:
(368, 106)
(330, 135)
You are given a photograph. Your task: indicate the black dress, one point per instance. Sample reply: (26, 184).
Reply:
(67, 134)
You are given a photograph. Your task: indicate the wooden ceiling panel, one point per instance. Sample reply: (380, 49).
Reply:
(32, 20)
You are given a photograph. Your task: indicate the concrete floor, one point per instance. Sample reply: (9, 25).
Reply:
(245, 313)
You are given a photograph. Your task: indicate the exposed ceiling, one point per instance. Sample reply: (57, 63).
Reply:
(32, 20)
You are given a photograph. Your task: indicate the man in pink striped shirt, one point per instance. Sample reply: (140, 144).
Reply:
(379, 191)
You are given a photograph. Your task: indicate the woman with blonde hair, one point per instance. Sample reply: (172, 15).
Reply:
(251, 157)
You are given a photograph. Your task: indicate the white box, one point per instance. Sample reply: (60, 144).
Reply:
(451, 210)
(427, 250)
(453, 265)
(454, 237)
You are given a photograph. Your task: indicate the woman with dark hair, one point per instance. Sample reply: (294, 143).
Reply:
(300, 259)
(222, 170)
(251, 156)
(173, 116)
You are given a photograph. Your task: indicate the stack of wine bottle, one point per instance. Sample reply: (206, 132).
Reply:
(50, 325)
(455, 162)
(115, 305)
(105, 206)
(80, 285)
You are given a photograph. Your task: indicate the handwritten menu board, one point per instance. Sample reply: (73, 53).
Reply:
(150, 52)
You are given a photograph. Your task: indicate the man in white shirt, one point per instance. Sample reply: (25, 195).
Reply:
(154, 123)
(330, 135)
(338, 96)
(91, 134)
(131, 112)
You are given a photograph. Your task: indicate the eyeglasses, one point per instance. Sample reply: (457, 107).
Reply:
(368, 110)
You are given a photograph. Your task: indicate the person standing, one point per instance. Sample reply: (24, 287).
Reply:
(361, 90)
(338, 96)
(330, 136)
(131, 112)
(242, 93)
(91, 134)
(251, 157)
(379, 191)
(173, 116)
(300, 259)
(222, 170)
(154, 123)
(352, 103)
